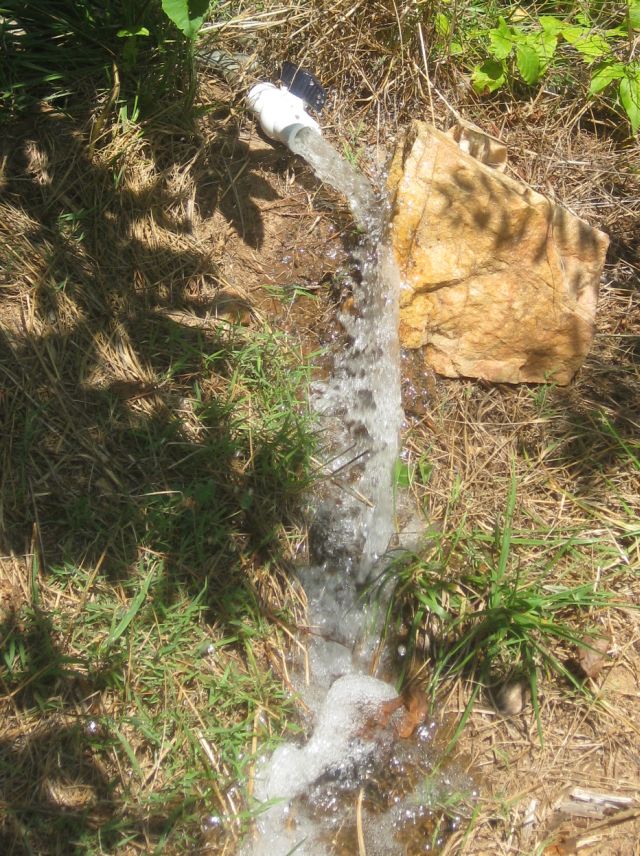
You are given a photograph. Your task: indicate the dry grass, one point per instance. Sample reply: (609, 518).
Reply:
(150, 439)
(121, 266)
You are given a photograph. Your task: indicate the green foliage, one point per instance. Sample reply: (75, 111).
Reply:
(525, 47)
(187, 15)
(497, 605)
(60, 49)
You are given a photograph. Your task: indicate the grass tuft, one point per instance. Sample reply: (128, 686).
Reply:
(497, 605)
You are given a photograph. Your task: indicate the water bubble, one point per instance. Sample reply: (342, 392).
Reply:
(207, 649)
(425, 733)
(211, 823)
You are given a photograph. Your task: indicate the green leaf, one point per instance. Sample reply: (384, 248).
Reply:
(502, 40)
(633, 13)
(125, 34)
(629, 92)
(128, 748)
(528, 64)
(551, 25)
(545, 44)
(130, 614)
(604, 74)
(489, 76)
(442, 25)
(187, 15)
(590, 45)
(425, 469)
(402, 474)
(572, 33)
(505, 540)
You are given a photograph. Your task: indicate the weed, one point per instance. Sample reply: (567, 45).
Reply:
(492, 614)
(128, 48)
(530, 45)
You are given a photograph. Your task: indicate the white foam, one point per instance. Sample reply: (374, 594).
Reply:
(339, 740)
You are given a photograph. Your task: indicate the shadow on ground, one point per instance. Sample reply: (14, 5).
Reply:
(124, 428)
(126, 433)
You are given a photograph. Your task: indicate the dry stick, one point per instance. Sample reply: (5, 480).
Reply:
(426, 74)
(208, 751)
(96, 131)
(36, 534)
(85, 597)
(362, 851)
(254, 750)
(613, 820)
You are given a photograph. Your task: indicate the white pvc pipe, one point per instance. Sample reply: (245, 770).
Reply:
(280, 113)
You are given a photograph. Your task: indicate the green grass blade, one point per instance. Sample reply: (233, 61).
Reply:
(131, 613)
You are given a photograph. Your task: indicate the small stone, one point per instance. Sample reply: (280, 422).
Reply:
(512, 697)
(591, 659)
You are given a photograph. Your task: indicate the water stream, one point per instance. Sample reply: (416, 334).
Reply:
(311, 792)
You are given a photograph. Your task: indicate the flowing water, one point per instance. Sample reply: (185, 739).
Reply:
(360, 404)
(353, 786)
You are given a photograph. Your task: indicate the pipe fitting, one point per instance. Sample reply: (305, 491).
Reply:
(280, 113)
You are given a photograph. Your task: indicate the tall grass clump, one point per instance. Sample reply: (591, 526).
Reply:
(487, 607)
(61, 50)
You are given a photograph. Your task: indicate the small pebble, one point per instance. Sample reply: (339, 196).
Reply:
(512, 697)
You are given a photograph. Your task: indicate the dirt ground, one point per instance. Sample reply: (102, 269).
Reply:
(291, 234)
(262, 241)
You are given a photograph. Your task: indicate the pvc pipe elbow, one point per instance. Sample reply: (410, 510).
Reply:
(280, 113)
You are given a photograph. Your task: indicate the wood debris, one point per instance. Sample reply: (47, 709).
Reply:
(582, 802)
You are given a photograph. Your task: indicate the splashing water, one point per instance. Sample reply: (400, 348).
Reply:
(361, 402)
(305, 789)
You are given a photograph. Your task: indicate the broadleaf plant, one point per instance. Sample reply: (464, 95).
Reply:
(629, 92)
(527, 48)
(187, 15)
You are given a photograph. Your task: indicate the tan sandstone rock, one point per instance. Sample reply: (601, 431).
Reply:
(501, 284)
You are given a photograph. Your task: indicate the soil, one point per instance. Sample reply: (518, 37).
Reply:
(279, 254)
(286, 233)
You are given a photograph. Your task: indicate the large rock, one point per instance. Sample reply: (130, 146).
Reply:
(500, 283)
